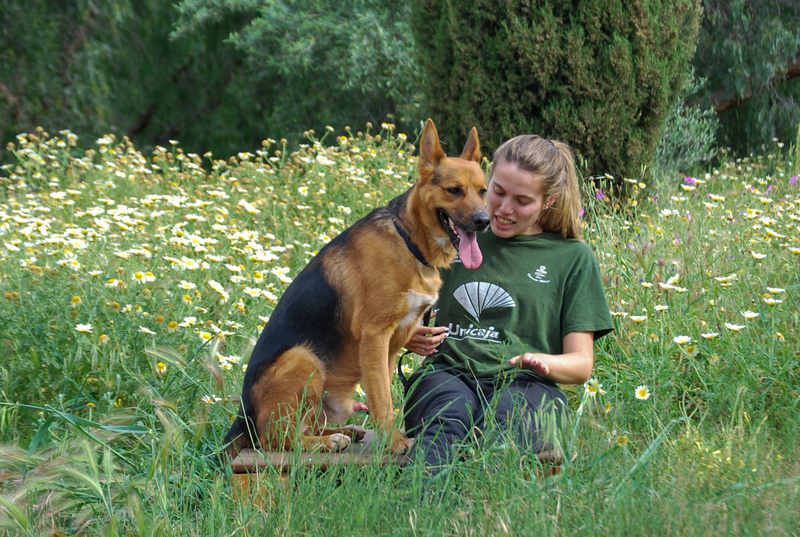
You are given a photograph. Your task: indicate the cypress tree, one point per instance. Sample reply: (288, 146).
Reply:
(600, 75)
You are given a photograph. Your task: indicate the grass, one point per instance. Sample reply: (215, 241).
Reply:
(132, 289)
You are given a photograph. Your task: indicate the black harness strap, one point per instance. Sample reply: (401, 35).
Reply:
(413, 248)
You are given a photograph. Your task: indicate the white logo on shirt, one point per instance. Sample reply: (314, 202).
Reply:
(479, 296)
(540, 275)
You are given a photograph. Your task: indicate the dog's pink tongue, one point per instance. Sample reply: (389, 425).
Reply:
(468, 250)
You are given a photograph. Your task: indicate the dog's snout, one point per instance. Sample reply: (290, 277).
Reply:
(481, 221)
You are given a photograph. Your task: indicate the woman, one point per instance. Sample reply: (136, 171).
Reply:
(525, 320)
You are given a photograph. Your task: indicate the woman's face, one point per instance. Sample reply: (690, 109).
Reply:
(515, 201)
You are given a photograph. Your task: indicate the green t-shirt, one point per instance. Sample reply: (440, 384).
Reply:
(529, 292)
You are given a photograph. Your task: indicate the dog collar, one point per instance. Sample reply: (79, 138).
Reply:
(413, 248)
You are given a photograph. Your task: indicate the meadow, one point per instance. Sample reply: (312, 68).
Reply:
(133, 286)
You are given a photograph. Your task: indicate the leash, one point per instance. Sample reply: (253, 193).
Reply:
(403, 380)
(410, 244)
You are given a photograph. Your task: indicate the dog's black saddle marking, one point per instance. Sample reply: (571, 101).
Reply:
(413, 248)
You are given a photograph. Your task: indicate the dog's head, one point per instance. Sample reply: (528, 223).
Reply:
(455, 188)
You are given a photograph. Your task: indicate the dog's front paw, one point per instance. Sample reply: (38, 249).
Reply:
(337, 442)
(401, 445)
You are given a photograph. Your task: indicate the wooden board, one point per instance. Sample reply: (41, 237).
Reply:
(358, 453)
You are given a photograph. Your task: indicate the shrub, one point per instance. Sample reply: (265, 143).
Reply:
(601, 76)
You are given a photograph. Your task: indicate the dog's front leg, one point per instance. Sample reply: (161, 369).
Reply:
(373, 355)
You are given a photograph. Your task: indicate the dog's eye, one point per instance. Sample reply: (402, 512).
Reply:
(482, 192)
(455, 190)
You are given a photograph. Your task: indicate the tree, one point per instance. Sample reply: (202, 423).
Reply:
(750, 54)
(319, 62)
(104, 66)
(600, 75)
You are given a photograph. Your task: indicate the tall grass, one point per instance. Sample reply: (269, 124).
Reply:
(132, 289)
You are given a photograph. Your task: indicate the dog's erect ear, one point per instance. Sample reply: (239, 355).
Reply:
(472, 149)
(430, 151)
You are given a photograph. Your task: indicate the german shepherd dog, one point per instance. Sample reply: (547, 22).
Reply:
(351, 309)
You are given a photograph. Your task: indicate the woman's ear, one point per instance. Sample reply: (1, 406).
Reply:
(552, 201)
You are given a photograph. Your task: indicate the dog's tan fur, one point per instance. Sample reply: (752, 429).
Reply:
(377, 292)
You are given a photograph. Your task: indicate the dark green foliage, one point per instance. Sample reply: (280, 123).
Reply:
(601, 75)
(215, 75)
(319, 62)
(744, 50)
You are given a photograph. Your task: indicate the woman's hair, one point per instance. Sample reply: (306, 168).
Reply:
(551, 161)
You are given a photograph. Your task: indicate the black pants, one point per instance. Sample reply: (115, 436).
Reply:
(445, 407)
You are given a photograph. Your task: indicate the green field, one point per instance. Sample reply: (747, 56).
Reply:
(132, 288)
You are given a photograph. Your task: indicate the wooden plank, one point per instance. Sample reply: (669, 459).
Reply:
(358, 454)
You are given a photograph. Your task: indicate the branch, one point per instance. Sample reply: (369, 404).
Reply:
(721, 105)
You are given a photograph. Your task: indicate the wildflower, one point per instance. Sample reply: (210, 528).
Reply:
(750, 315)
(734, 327)
(188, 286)
(638, 318)
(710, 335)
(103, 339)
(660, 307)
(187, 299)
(593, 387)
(779, 336)
(758, 256)
(172, 326)
(776, 290)
(161, 368)
(682, 340)
(210, 400)
(691, 350)
(75, 301)
(84, 328)
(772, 301)
(643, 393)
(138, 277)
(205, 336)
(622, 440)
(647, 285)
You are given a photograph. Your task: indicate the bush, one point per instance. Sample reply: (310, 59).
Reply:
(601, 76)
(689, 140)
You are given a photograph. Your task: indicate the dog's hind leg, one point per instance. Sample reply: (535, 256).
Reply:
(288, 400)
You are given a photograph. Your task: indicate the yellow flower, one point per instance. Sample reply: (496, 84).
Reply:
(75, 301)
(172, 326)
(161, 368)
(103, 339)
(622, 440)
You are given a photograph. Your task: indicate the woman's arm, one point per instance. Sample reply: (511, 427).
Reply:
(574, 366)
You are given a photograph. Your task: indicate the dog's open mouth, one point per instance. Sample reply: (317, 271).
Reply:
(466, 242)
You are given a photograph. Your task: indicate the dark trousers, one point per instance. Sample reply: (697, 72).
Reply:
(445, 407)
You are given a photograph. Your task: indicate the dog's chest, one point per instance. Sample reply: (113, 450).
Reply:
(417, 304)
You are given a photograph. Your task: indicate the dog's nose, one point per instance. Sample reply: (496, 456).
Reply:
(481, 221)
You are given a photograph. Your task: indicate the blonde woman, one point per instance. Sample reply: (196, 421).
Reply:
(525, 321)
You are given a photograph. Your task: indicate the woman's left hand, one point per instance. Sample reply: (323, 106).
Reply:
(532, 362)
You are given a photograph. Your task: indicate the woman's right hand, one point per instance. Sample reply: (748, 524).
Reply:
(426, 339)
